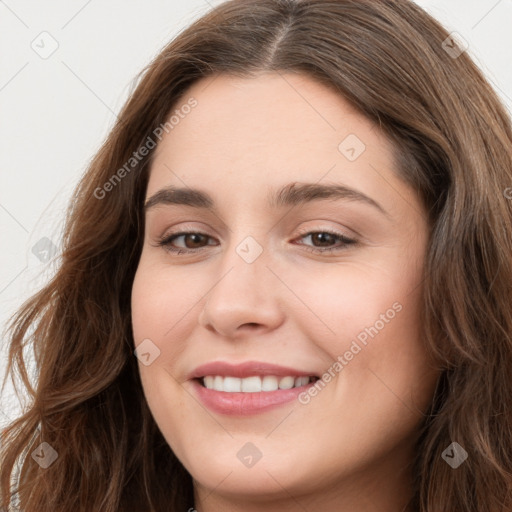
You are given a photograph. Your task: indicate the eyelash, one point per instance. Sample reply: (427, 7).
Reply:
(165, 242)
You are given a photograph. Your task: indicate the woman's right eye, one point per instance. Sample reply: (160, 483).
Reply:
(166, 241)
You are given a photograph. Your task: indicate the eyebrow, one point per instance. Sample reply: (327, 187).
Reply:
(292, 194)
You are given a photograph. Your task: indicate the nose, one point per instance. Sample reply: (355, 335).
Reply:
(244, 298)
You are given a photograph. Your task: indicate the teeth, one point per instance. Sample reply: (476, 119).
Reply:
(269, 383)
(253, 384)
(232, 384)
(286, 383)
(301, 381)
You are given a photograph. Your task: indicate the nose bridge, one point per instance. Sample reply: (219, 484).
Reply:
(243, 270)
(245, 290)
(247, 249)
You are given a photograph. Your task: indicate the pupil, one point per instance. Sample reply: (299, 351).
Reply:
(323, 235)
(195, 236)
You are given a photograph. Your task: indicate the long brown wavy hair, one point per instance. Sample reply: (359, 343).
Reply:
(452, 139)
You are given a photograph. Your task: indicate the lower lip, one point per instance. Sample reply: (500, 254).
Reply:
(245, 404)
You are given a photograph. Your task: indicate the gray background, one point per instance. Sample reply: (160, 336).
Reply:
(56, 109)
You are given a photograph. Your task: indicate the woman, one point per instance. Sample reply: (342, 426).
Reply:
(270, 368)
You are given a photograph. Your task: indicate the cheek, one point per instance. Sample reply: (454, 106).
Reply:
(368, 320)
(386, 365)
(160, 300)
(354, 302)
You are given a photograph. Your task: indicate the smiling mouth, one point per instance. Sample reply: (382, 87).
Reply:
(254, 384)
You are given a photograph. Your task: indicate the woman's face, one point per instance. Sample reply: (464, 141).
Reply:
(252, 306)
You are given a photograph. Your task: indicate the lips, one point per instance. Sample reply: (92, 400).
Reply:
(224, 388)
(247, 369)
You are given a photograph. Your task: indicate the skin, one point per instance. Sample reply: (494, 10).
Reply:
(351, 446)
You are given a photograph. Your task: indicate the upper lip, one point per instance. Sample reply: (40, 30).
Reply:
(246, 369)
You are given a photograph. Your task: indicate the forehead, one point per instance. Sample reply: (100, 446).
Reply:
(261, 133)
(273, 110)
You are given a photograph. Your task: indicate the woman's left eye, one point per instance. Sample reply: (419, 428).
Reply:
(320, 236)
(195, 237)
